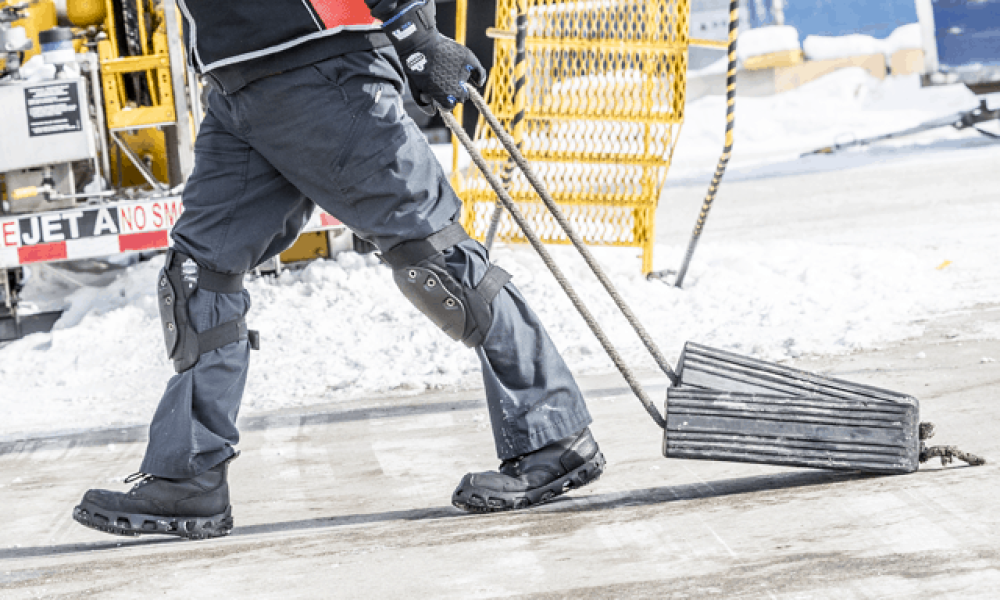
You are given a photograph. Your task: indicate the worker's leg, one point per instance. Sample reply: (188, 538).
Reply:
(238, 212)
(338, 131)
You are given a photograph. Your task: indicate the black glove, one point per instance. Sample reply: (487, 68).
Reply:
(437, 67)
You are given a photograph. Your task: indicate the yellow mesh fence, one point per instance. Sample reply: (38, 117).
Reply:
(597, 115)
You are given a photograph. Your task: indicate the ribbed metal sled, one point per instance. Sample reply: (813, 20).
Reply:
(723, 406)
(734, 408)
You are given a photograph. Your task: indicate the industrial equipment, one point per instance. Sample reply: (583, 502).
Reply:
(97, 137)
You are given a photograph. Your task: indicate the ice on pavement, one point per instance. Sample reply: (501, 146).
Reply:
(340, 329)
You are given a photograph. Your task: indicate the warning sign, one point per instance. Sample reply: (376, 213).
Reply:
(52, 109)
(102, 230)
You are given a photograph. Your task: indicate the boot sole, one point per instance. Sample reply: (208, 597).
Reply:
(472, 498)
(132, 524)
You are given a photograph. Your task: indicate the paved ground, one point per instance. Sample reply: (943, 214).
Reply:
(352, 501)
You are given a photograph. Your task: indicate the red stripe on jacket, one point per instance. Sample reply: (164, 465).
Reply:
(337, 13)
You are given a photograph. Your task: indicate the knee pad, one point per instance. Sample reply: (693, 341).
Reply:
(419, 270)
(178, 280)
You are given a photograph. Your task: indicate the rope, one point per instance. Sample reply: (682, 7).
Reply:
(727, 151)
(517, 123)
(947, 453)
(571, 233)
(536, 243)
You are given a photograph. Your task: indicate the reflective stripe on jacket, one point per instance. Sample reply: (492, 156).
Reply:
(224, 32)
(242, 40)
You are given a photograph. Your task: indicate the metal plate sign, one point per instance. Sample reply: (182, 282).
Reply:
(44, 124)
(52, 109)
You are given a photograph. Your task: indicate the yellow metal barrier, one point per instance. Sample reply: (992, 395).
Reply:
(603, 102)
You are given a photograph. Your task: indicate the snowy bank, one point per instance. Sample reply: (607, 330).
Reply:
(767, 40)
(817, 47)
(845, 105)
(340, 329)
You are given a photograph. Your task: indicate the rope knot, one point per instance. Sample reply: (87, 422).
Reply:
(947, 453)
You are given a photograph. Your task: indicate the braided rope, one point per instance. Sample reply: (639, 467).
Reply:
(571, 233)
(536, 243)
(947, 453)
(517, 123)
(727, 151)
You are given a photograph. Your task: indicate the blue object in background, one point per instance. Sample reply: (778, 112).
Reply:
(877, 18)
(967, 32)
(966, 45)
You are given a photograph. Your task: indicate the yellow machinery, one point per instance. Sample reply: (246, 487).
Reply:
(139, 101)
(98, 116)
(597, 115)
(41, 17)
(144, 142)
(135, 65)
(144, 129)
(146, 122)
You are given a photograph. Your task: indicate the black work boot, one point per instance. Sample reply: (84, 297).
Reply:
(538, 477)
(195, 508)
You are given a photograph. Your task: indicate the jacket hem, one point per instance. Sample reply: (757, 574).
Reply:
(232, 77)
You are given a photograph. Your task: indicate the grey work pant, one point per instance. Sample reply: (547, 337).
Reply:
(334, 134)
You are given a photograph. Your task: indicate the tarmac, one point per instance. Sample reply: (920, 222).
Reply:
(353, 500)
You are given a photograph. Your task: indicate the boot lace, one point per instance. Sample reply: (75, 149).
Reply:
(141, 478)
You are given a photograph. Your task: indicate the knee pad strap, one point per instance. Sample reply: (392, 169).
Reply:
(178, 280)
(420, 272)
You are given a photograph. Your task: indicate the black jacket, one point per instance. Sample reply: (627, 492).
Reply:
(235, 42)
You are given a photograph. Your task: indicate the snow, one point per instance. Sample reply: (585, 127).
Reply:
(714, 68)
(817, 47)
(767, 40)
(339, 329)
(907, 37)
(845, 105)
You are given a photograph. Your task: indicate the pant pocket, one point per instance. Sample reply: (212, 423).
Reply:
(376, 135)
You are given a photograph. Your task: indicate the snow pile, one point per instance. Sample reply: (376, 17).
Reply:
(817, 47)
(767, 40)
(907, 37)
(340, 329)
(845, 105)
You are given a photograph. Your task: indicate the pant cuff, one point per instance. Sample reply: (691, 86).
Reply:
(170, 469)
(540, 437)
